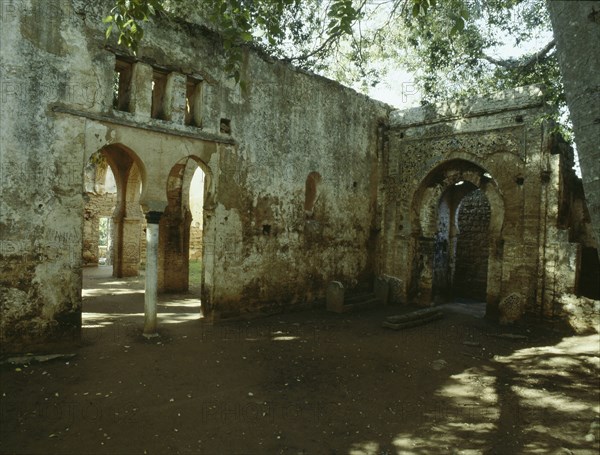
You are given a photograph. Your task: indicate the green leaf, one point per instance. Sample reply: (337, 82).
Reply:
(416, 9)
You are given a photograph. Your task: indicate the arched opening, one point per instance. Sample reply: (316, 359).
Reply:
(181, 240)
(196, 204)
(461, 248)
(472, 247)
(113, 218)
(100, 194)
(457, 216)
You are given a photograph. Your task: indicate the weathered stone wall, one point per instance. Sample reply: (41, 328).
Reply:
(257, 147)
(304, 184)
(41, 161)
(500, 146)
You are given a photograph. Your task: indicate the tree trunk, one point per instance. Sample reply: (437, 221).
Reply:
(577, 32)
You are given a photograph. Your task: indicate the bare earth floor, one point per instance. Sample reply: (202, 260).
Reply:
(303, 383)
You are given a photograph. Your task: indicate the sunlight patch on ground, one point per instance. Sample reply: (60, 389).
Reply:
(100, 292)
(511, 395)
(472, 386)
(284, 338)
(364, 448)
(545, 399)
(119, 284)
(187, 303)
(109, 318)
(463, 415)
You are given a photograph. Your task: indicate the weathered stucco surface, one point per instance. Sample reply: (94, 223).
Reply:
(57, 111)
(501, 146)
(306, 182)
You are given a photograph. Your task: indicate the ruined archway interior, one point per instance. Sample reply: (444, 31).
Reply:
(100, 194)
(195, 204)
(111, 283)
(181, 244)
(459, 216)
(461, 249)
(121, 202)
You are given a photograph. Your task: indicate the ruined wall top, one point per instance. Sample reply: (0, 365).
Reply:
(507, 100)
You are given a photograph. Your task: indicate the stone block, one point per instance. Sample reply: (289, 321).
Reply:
(335, 297)
(512, 308)
(382, 290)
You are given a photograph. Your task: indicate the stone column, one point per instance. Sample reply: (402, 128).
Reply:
(131, 232)
(150, 295)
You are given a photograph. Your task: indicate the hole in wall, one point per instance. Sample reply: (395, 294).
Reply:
(122, 85)
(520, 181)
(588, 285)
(159, 87)
(545, 177)
(225, 126)
(266, 229)
(519, 119)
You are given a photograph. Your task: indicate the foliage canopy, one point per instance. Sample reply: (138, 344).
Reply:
(450, 46)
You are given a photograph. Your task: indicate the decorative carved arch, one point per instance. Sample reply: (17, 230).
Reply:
(424, 222)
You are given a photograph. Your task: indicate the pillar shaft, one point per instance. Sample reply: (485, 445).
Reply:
(150, 295)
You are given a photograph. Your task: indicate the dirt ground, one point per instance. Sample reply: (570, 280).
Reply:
(311, 382)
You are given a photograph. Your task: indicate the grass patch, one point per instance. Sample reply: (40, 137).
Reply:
(195, 272)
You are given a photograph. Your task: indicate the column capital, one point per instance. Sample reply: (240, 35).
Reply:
(153, 217)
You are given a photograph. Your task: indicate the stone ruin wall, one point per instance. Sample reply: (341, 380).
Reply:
(262, 251)
(503, 137)
(305, 183)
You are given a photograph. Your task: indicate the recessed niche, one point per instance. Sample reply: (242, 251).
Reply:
(225, 126)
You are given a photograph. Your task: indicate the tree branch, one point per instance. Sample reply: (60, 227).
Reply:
(521, 63)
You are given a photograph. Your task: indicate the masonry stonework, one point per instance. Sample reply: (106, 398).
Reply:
(306, 181)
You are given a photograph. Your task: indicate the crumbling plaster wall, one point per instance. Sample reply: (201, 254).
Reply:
(260, 252)
(434, 147)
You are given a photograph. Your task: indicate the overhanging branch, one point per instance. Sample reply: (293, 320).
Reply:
(521, 63)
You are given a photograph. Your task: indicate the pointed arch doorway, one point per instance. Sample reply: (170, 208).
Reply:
(457, 217)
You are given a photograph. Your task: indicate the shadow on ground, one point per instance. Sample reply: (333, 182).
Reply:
(303, 383)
